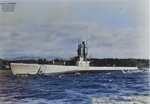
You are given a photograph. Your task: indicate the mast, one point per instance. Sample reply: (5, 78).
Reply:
(79, 49)
(84, 56)
(86, 46)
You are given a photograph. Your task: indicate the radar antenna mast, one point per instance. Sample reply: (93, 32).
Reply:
(86, 44)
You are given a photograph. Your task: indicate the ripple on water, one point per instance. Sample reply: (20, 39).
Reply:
(117, 88)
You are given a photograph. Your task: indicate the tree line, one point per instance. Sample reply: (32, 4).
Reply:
(130, 62)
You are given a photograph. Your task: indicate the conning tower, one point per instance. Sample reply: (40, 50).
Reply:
(82, 55)
(81, 47)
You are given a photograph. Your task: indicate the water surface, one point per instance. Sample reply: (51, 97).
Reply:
(109, 88)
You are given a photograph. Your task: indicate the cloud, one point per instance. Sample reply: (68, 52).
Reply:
(52, 28)
(62, 41)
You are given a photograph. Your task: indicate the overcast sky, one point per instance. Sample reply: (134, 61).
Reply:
(113, 28)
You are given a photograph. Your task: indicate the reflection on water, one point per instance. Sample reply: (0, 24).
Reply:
(111, 88)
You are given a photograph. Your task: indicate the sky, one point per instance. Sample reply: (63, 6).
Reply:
(111, 28)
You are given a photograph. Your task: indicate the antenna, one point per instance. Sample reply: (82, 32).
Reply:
(31, 56)
(78, 41)
(87, 42)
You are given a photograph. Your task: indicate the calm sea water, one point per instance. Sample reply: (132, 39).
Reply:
(106, 88)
